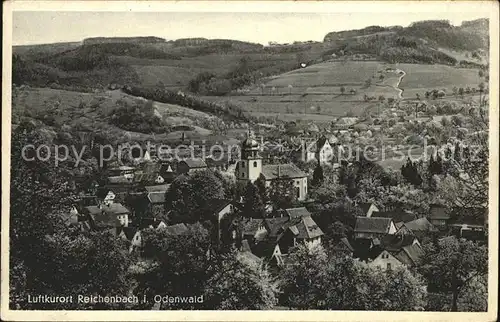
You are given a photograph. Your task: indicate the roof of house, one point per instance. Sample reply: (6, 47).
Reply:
(276, 226)
(218, 204)
(438, 212)
(397, 241)
(318, 144)
(122, 168)
(297, 212)
(118, 180)
(250, 226)
(104, 219)
(413, 254)
(129, 232)
(421, 224)
(397, 216)
(344, 244)
(158, 197)
(194, 163)
(270, 171)
(93, 210)
(177, 229)
(115, 209)
(372, 225)
(157, 188)
(145, 177)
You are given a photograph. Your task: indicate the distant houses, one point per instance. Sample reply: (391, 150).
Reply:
(272, 238)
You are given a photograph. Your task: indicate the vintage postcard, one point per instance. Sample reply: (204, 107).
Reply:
(250, 161)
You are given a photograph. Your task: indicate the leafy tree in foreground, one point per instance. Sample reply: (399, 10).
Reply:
(238, 283)
(452, 264)
(175, 264)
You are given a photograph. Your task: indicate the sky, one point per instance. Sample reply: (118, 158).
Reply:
(30, 27)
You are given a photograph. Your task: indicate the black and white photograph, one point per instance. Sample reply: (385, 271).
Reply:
(170, 158)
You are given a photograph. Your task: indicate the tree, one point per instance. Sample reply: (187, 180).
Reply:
(352, 285)
(190, 197)
(451, 264)
(342, 90)
(92, 264)
(40, 196)
(290, 87)
(238, 283)
(260, 183)
(481, 91)
(461, 92)
(176, 264)
(301, 277)
(410, 173)
(455, 91)
(252, 202)
(282, 193)
(318, 176)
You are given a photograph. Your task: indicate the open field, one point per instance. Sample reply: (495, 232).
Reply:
(314, 91)
(421, 78)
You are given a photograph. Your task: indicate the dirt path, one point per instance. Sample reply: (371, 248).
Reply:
(400, 95)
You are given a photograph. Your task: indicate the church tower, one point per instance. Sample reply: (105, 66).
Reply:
(250, 165)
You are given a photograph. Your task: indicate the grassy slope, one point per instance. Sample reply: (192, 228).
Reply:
(92, 109)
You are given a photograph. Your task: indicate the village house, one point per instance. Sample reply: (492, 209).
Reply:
(271, 238)
(191, 165)
(123, 171)
(384, 259)
(133, 235)
(373, 227)
(398, 216)
(438, 215)
(419, 227)
(107, 216)
(320, 150)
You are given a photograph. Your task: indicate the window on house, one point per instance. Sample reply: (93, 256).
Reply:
(255, 164)
(298, 192)
(388, 266)
(242, 164)
(242, 174)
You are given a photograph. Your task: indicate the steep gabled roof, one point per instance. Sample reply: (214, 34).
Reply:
(397, 242)
(344, 244)
(157, 188)
(217, 205)
(194, 163)
(157, 197)
(373, 225)
(250, 226)
(115, 209)
(275, 226)
(270, 171)
(119, 180)
(129, 232)
(421, 224)
(297, 212)
(396, 215)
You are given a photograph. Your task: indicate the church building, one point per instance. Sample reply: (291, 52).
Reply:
(250, 168)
